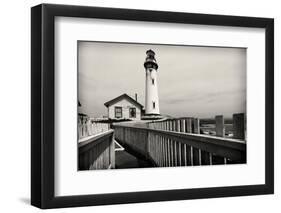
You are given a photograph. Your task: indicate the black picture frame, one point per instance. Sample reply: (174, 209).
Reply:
(43, 102)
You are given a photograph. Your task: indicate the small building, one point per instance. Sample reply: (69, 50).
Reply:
(124, 107)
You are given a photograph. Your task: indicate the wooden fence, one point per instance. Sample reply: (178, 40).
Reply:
(177, 142)
(189, 125)
(88, 128)
(97, 152)
(192, 125)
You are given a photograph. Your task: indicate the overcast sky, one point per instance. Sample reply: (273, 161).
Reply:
(192, 81)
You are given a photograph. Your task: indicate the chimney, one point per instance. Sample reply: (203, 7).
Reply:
(136, 96)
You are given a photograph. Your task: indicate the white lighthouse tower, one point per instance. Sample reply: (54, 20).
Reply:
(151, 89)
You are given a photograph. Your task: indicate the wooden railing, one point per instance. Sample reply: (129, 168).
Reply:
(192, 125)
(189, 125)
(169, 148)
(97, 152)
(88, 128)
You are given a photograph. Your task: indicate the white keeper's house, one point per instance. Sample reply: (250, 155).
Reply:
(124, 107)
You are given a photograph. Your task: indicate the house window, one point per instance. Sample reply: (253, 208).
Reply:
(153, 104)
(132, 112)
(118, 112)
(152, 81)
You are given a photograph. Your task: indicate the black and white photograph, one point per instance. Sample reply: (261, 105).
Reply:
(160, 105)
(149, 104)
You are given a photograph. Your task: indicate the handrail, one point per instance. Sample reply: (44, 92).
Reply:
(97, 151)
(88, 128)
(94, 138)
(180, 145)
(228, 142)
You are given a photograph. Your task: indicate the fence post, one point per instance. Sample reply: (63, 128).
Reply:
(112, 152)
(178, 125)
(239, 126)
(174, 125)
(182, 122)
(197, 160)
(220, 130)
(189, 125)
(196, 125)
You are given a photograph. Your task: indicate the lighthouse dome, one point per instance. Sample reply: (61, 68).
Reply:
(150, 61)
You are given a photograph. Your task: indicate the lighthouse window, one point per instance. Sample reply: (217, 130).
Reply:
(153, 103)
(153, 81)
(132, 112)
(118, 112)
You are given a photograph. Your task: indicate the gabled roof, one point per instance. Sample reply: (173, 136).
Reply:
(124, 96)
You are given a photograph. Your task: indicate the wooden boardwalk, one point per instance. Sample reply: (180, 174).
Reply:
(163, 143)
(126, 160)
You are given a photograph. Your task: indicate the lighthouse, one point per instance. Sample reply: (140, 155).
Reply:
(151, 89)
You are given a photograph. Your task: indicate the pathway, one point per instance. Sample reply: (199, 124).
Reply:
(125, 160)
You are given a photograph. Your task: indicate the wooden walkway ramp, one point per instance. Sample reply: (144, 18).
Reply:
(125, 160)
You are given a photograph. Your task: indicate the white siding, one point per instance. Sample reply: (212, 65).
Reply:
(126, 105)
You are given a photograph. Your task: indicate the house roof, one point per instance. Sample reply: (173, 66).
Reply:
(124, 96)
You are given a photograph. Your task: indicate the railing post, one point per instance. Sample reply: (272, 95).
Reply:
(178, 125)
(179, 154)
(239, 126)
(147, 142)
(196, 125)
(182, 125)
(169, 152)
(172, 153)
(174, 125)
(165, 151)
(211, 158)
(165, 125)
(191, 156)
(220, 130)
(189, 122)
(161, 150)
(171, 125)
(188, 129)
(175, 153)
(185, 155)
(197, 160)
